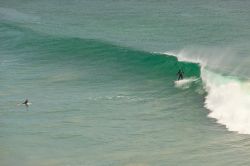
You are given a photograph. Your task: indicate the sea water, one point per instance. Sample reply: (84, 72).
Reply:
(101, 79)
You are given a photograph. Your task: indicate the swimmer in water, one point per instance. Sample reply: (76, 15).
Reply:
(26, 103)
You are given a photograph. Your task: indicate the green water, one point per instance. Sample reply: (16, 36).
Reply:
(102, 96)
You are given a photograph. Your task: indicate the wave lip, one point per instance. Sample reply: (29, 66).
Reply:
(228, 98)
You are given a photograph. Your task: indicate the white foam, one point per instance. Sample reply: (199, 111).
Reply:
(185, 83)
(228, 98)
(229, 101)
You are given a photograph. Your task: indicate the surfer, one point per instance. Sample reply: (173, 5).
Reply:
(26, 103)
(180, 75)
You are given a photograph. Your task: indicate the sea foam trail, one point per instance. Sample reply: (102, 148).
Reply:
(228, 98)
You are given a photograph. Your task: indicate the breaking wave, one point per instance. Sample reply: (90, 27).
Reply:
(228, 97)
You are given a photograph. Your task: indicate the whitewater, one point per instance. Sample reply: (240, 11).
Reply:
(228, 97)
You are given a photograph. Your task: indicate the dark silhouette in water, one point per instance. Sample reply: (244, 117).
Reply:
(180, 75)
(26, 103)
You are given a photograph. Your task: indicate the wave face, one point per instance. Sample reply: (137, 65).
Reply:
(42, 48)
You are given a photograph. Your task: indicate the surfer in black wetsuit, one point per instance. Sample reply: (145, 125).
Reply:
(26, 103)
(180, 75)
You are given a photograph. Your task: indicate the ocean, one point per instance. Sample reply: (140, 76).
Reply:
(100, 77)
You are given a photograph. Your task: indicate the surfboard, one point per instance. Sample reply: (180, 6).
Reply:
(185, 83)
(23, 104)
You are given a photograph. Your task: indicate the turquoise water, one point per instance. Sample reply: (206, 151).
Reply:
(100, 77)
